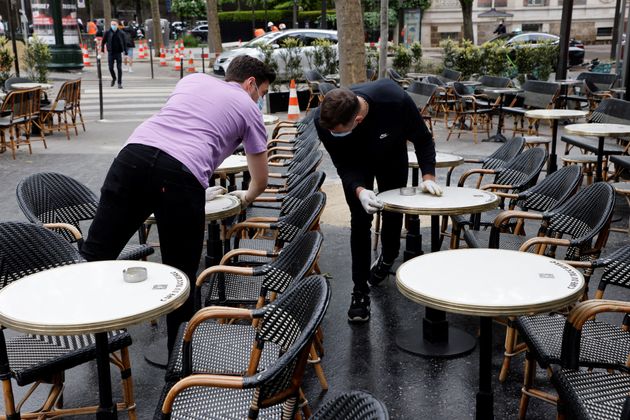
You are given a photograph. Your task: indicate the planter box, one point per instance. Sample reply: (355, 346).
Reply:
(279, 101)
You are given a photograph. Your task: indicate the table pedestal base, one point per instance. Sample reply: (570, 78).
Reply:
(497, 138)
(457, 344)
(156, 353)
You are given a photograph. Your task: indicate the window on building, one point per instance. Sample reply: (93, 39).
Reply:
(604, 32)
(536, 3)
(532, 27)
(447, 35)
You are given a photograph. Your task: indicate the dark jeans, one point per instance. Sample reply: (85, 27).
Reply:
(361, 222)
(144, 180)
(117, 57)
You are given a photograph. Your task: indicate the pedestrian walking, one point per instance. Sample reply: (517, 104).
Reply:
(116, 44)
(365, 130)
(130, 34)
(165, 166)
(500, 29)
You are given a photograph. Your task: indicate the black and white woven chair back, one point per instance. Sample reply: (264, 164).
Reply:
(27, 248)
(539, 94)
(552, 191)
(504, 154)
(302, 219)
(494, 81)
(617, 269)
(461, 89)
(353, 405)
(434, 81)
(306, 166)
(307, 186)
(421, 93)
(523, 170)
(294, 262)
(290, 322)
(582, 217)
(313, 76)
(49, 197)
(611, 111)
(451, 75)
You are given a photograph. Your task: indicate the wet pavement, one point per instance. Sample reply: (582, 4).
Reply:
(357, 356)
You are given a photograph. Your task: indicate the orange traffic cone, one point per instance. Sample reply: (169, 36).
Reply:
(178, 61)
(163, 58)
(141, 55)
(294, 106)
(191, 63)
(86, 56)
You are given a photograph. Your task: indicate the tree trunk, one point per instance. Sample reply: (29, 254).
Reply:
(214, 30)
(467, 6)
(382, 60)
(139, 12)
(107, 14)
(157, 28)
(351, 42)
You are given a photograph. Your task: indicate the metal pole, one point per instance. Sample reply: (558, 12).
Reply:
(323, 22)
(382, 61)
(151, 57)
(619, 25)
(13, 42)
(614, 48)
(203, 61)
(565, 34)
(100, 84)
(626, 67)
(295, 14)
(24, 21)
(181, 68)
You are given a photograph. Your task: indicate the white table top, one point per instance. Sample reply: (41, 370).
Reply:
(465, 82)
(489, 282)
(598, 129)
(454, 200)
(568, 82)
(31, 85)
(419, 75)
(219, 208)
(270, 119)
(555, 114)
(442, 160)
(232, 164)
(90, 297)
(501, 90)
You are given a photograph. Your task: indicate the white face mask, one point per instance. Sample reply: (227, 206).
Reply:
(259, 101)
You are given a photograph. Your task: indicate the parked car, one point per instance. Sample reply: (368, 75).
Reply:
(177, 28)
(275, 39)
(200, 32)
(530, 39)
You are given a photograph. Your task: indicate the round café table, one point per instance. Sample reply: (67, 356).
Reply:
(554, 115)
(489, 283)
(601, 131)
(228, 169)
(270, 119)
(499, 137)
(435, 338)
(442, 160)
(92, 298)
(419, 76)
(31, 85)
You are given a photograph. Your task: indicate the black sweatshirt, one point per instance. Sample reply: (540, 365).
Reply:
(379, 142)
(115, 42)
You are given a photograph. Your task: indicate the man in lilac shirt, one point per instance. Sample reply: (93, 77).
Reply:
(165, 166)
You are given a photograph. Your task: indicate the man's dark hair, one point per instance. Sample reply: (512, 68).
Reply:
(340, 106)
(244, 67)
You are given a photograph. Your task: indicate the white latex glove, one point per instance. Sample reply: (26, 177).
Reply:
(370, 202)
(241, 195)
(431, 187)
(213, 192)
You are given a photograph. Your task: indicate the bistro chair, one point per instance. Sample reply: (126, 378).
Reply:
(19, 112)
(27, 248)
(61, 203)
(292, 126)
(450, 75)
(602, 345)
(314, 79)
(579, 227)
(602, 81)
(423, 95)
(546, 195)
(353, 405)
(228, 285)
(517, 175)
(535, 95)
(287, 326)
(8, 84)
(500, 157)
(64, 105)
(443, 101)
(292, 172)
(474, 109)
(402, 81)
(270, 237)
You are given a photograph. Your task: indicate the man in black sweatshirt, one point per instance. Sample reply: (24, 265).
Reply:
(365, 130)
(116, 46)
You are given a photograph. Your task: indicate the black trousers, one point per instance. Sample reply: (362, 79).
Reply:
(111, 58)
(144, 180)
(395, 176)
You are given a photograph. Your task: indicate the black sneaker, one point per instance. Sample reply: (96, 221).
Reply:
(379, 271)
(119, 86)
(359, 308)
(113, 82)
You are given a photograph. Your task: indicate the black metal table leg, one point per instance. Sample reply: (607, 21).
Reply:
(434, 338)
(413, 241)
(106, 408)
(600, 156)
(498, 137)
(214, 246)
(485, 399)
(552, 165)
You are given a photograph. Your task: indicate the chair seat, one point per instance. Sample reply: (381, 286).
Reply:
(214, 404)
(239, 290)
(255, 244)
(602, 345)
(481, 239)
(59, 106)
(6, 122)
(592, 144)
(622, 161)
(514, 110)
(592, 395)
(135, 252)
(219, 349)
(580, 159)
(260, 211)
(536, 140)
(33, 357)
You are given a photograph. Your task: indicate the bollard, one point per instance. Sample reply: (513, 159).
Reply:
(203, 64)
(100, 84)
(151, 57)
(181, 69)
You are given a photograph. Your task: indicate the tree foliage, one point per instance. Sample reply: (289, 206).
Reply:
(189, 8)
(6, 60)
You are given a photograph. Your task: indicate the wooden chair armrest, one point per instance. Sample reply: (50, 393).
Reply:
(285, 133)
(282, 141)
(246, 225)
(275, 174)
(497, 187)
(272, 149)
(579, 264)
(245, 251)
(543, 240)
(221, 381)
(65, 226)
(278, 157)
(468, 173)
(473, 161)
(504, 216)
(260, 199)
(505, 195)
(262, 219)
(226, 269)
(272, 191)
